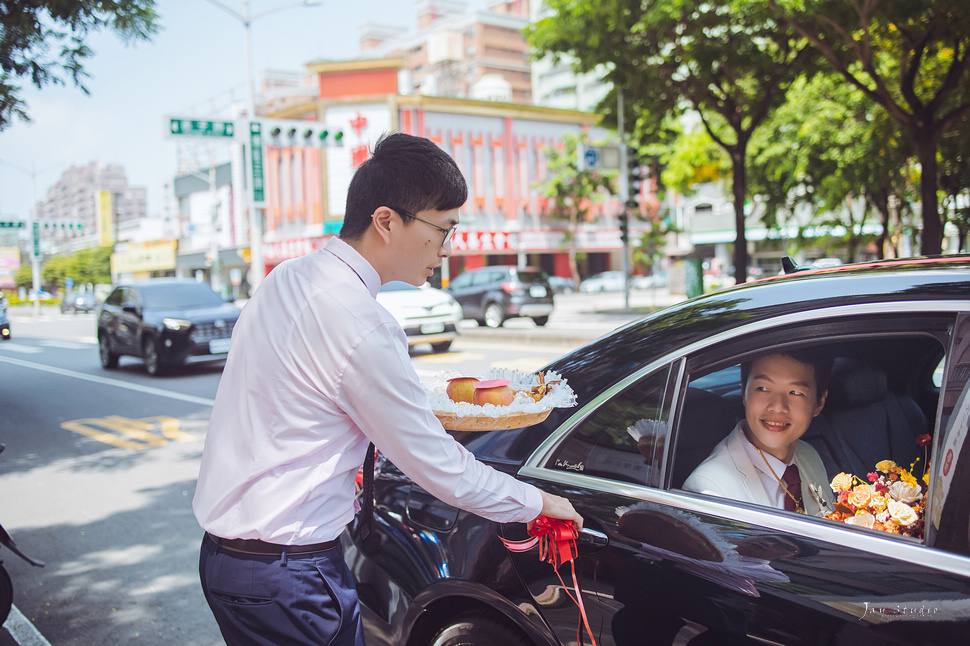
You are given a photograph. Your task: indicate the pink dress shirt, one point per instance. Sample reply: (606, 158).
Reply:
(316, 370)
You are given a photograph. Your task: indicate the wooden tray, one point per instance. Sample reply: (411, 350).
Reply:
(455, 422)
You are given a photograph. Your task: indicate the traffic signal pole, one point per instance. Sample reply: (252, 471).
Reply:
(624, 191)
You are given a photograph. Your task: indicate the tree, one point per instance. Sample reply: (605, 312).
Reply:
(56, 270)
(829, 148)
(732, 62)
(912, 58)
(573, 191)
(43, 41)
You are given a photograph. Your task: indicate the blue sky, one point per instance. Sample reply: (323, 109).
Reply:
(188, 68)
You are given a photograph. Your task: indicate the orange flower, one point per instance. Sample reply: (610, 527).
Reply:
(842, 482)
(861, 496)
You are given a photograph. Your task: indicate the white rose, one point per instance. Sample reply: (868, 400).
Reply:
(902, 513)
(902, 492)
(861, 520)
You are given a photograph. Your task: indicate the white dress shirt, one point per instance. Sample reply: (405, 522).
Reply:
(317, 369)
(768, 480)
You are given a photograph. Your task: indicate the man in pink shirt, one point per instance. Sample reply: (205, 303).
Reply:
(316, 371)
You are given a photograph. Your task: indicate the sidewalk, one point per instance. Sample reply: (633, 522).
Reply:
(577, 320)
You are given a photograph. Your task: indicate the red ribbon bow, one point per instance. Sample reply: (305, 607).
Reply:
(557, 545)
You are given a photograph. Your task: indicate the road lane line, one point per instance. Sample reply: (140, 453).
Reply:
(19, 347)
(22, 630)
(148, 390)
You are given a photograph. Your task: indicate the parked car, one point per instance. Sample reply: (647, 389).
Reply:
(605, 281)
(562, 284)
(660, 565)
(428, 315)
(492, 295)
(75, 302)
(166, 321)
(4, 323)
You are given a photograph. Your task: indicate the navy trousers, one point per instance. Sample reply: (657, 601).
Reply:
(294, 599)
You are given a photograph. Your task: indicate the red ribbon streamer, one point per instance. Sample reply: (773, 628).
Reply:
(557, 545)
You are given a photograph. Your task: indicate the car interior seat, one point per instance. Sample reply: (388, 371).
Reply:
(705, 419)
(863, 422)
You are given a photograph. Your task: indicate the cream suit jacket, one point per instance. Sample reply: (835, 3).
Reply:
(728, 472)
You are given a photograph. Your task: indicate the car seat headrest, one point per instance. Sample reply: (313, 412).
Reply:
(856, 385)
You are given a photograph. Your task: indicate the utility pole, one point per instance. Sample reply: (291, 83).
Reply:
(624, 191)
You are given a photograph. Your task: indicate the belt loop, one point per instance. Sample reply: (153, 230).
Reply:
(283, 557)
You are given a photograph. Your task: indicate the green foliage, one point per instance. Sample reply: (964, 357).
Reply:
(696, 159)
(731, 62)
(55, 271)
(911, 58)
(43, 41)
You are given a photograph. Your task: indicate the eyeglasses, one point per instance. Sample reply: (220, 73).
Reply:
(448, 233)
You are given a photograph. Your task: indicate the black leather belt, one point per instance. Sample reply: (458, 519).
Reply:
(261, 548)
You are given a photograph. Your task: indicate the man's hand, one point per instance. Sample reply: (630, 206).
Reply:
(558, 507)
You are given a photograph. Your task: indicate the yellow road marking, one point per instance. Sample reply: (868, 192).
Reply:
(126, 433)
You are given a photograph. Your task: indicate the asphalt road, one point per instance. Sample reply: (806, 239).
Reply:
(111, 516)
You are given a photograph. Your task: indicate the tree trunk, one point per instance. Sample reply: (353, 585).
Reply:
(739, 188)
(931, 240)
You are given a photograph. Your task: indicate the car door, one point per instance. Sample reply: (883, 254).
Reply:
(128, 321)
(689, 568)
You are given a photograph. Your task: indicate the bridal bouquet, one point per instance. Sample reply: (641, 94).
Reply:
(890, 499)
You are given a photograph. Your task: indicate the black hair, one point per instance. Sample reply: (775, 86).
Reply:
(403, 172)
(821, 365)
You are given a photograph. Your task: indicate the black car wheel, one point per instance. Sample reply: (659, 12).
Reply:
(478, 630)
(540, 320)
(109, 360)
(444, 346)
(153, 362)
(494, 315)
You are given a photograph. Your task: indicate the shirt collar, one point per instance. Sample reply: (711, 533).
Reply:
(350, 256)
(759, 462)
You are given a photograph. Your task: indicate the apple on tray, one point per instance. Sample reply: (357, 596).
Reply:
(462, 389)
(493, 391)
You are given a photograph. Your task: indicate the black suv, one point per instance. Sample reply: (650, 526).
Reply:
(166, 321)
(490, 295)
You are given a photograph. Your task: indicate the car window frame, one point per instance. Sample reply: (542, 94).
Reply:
(870, 541)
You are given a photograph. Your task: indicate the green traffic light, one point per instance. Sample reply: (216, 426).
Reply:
(339, 135)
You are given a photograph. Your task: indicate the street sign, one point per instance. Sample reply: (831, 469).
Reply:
(187, 126)
(37, 240)
(256, 154)
(12, 224)
(598, 157)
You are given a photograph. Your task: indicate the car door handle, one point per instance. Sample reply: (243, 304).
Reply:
(592, 538)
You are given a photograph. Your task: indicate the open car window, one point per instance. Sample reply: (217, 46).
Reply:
(881, 406)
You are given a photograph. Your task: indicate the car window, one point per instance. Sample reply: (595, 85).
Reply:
(181, 295)
(483, 278)
(623, 439)
(115, 297)
(464, 280)
(881, 405)
(529, 276)
(131, 298)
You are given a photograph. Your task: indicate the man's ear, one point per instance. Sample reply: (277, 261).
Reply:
(821, 403)
(381, 222)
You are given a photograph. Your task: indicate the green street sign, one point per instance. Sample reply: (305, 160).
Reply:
(37, 253)
(256, 153)
(189, 127)
(12, 224)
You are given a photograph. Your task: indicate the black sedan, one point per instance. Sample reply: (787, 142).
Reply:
(661, 565)
(167, 322)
